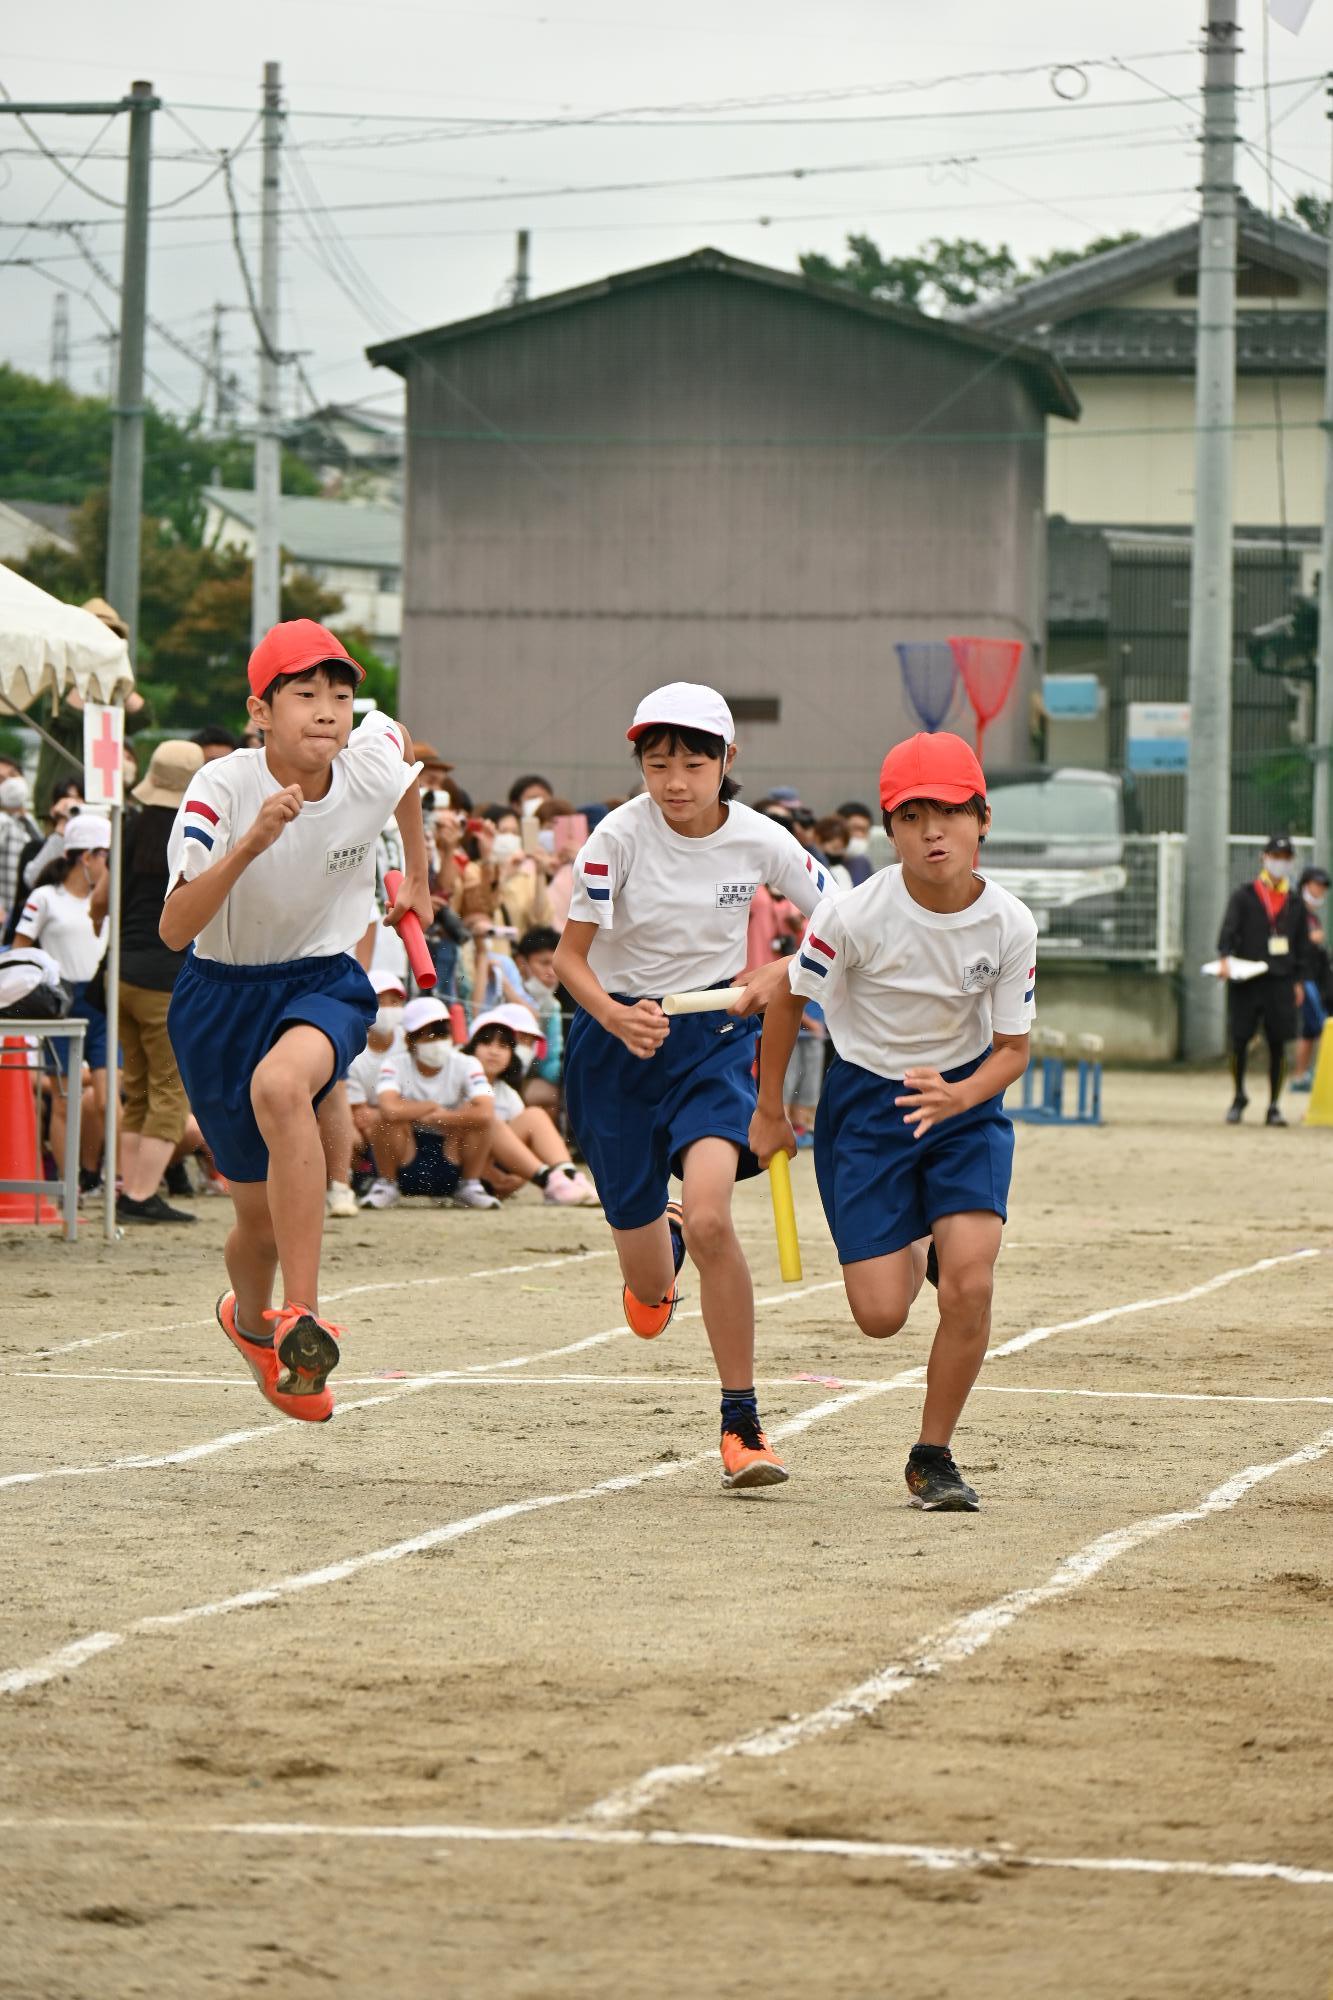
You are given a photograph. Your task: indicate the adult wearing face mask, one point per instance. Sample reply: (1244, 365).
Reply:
(1266, 920)
(857, 858)
(1318, 995)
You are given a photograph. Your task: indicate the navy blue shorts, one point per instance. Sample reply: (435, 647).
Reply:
(430, 1170)
(224, 1019)
(94, 1035)
(634, 1119)
(880, 1187)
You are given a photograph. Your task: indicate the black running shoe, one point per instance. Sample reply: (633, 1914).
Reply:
(1274, 1116)
(675, 1215)
(177, 1178)
(935, 1483)
(152, 1210)
(1236, 1110)
(932, 1266)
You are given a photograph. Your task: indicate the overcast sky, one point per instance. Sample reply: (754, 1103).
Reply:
(764, 127)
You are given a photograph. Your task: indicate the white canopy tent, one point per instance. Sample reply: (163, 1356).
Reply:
(47, 647)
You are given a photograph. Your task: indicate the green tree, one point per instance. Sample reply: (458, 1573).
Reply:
(943, 273)
(1312, 210)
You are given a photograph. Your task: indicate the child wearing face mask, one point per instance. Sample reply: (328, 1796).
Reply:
(526, 1147)
(1265, 921)
(441, 1107)
(1318, 991)
(383, 1040)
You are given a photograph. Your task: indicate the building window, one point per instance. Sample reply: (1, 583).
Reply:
(755, 707)
(388, 580)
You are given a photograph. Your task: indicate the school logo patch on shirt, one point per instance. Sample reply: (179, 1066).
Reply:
(344, 860)
(979, 975)
(735, 895)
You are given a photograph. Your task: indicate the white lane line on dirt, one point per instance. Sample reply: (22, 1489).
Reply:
(955, 1643)
(1200, 1291)
(915, 1855)
(53, 1666)
(330, 1298)
(587, 1381)
(209, 1447)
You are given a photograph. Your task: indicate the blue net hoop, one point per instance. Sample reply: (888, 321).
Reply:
(930, 676)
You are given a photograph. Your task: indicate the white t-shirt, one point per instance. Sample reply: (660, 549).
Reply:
(508, 1103)
(61, 925)
(461, 1081)
(363, 1074)
(312, 893)
(907, 988)
(672, 913)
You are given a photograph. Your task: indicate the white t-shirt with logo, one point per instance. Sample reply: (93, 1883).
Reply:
(61, 925)
(904, 988)
(671, 912)
(312, 893)
(461, 1081)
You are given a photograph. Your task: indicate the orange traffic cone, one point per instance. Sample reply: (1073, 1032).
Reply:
(20, 1158)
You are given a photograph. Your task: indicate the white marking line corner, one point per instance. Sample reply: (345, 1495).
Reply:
(990, 1860)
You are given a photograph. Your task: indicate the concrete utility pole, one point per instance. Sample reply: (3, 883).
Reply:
(519, 291)
(1323, 721)
(1208, 784)
(60, 338)
(266, 588)
(126, 502)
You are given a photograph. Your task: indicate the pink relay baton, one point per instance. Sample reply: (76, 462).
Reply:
(410, 931)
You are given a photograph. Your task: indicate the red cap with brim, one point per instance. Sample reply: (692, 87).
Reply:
(939, 767)
(293, 648)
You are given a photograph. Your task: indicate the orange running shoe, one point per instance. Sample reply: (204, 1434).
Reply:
(263, 1363)
(648, 1321)
(748, 1459)
(306, 1347)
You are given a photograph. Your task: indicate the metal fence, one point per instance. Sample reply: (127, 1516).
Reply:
(1117, 899)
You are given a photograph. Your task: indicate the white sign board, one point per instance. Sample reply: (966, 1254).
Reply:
(103, 754)
(1157, 736)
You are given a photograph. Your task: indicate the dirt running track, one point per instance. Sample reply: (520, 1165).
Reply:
(266, 1695)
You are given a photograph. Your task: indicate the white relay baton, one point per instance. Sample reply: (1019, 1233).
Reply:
(712, 1000)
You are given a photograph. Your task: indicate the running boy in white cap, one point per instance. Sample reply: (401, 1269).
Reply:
(272, 871)
(661, 903)
(927, 976)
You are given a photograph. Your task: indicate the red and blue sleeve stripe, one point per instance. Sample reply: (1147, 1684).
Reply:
(813, 944)
(813, 869)
(1032, 985)
(599, 888)
(203, 812)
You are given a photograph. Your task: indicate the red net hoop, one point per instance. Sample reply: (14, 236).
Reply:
(989, 668)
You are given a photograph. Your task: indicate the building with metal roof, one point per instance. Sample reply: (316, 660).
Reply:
(352, 547)
(708, 469)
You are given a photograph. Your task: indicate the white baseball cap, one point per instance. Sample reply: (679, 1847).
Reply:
(86, 830)
(423, 1013)
(14, 792)
(518, 1019)
(385, 981)
(684, 705)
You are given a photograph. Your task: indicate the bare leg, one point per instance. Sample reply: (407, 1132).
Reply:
(391, 1146)
(282, 1092)
(508, 1150)
(472, 1150)
(251, 1254)
(968, 1246)
(143, 1163)
(537, 1129)
(337, 1134)
(646, 1262)
(725, 1291)
(880, 1290)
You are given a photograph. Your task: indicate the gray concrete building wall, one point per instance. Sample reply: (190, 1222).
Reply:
(707, 478)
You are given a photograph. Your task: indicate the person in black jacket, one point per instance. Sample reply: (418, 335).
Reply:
(1265, 920)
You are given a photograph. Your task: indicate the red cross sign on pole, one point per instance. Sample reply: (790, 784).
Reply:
(103, 754)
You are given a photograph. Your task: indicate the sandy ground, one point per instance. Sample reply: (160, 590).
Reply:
(490, 1600)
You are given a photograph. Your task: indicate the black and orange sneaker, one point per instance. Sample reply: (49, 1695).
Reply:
(748, 1459)
(306, 1349)
(935, 1484)
(257, 1353)
(650, 1320)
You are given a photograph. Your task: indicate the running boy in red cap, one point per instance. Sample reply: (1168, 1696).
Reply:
(272, 870)
(927, 975)
(661, 904)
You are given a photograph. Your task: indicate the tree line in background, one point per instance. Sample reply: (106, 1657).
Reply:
(194, 607)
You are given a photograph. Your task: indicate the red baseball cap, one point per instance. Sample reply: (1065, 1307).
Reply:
(294, 647)
(939, 767)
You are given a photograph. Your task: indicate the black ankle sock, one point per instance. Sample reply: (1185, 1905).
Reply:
(738, 1404)
(929, 1451)
(543, 1174)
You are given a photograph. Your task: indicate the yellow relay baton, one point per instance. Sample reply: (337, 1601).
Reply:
(784, 1219)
